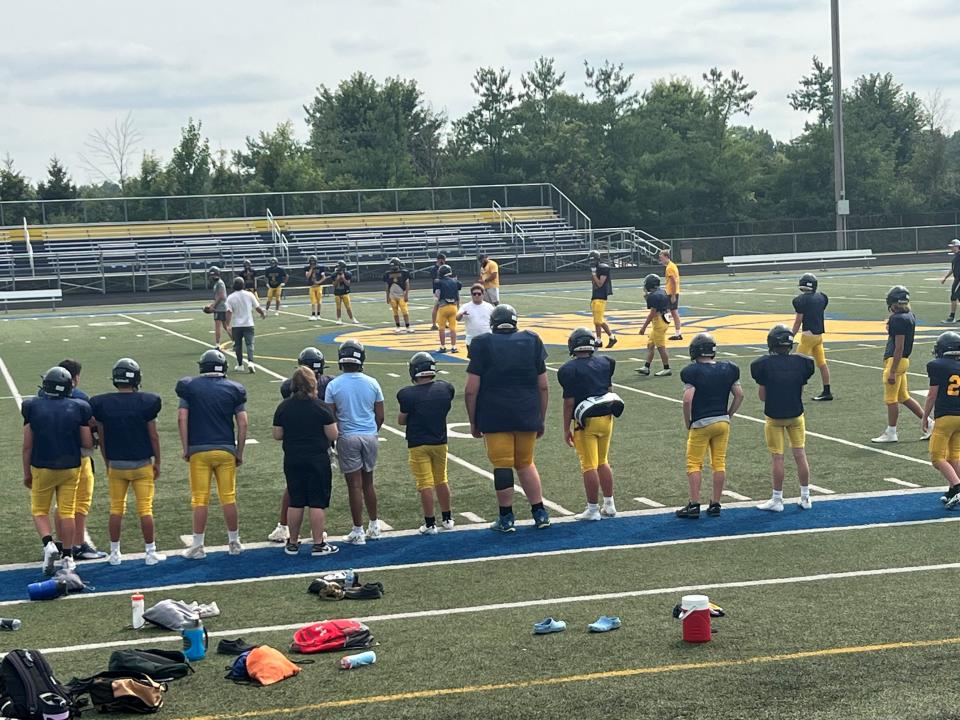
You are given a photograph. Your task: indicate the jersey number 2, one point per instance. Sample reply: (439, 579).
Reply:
(953, 389)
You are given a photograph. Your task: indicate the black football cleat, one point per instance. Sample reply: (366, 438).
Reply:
(690, 511)
(824, 396)
(611, 341)
(678, 336)
(713, 509)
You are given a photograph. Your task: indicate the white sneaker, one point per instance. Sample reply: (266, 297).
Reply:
(313, 318)
(805, 503)
(234, 547)
(398, 331)
(68, 564)
(663, 373)
(280, 534)
(885, 437)
(608, 510)
(115, 557)
(929, 432)
(772, 505)
(373, 530)
(356, 321)
(276, 313)
(356, 537)
(152, 557)
(589, 514)
(251, 369)
(238, 368)
(411, 330)
(50, 557)
(449, 524)
(339, 321)
(428, 529)
(195, 552)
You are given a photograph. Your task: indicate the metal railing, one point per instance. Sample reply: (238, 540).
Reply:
(279, 240)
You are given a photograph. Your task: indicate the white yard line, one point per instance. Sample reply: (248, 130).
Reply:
(734, 495)
(345, 324)
(15, 393)
(821, 490)
(898, 481)
(869, 367)
(649, 502)
(472, 517)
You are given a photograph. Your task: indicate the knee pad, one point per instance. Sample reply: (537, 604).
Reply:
(502, 478)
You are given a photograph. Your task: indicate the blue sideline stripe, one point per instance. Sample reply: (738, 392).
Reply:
(267, 562)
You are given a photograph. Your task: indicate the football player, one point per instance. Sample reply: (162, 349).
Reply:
(506, 396)
(586, 378)
(219, 305)
(434, 277)
(342, 278)
(901, 327)
(448, 302)
(954, 271)
(659, 305)
(130, 445)
(276, 279)
(249, 276)
(424, 407)
(55, 429)
(601, 288)
(781, 376)
(316, 276)
(489, 278)
(672, 274)
(312, 358)
(210, 404)
(943, 399)
(707, 412)
(809, 306)
(397, 281)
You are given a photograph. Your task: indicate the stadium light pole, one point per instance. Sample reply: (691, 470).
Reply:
(839, 172)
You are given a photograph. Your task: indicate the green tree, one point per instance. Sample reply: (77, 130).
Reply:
(189, 168)
(58, 185)
(815, 94)
(486, 129)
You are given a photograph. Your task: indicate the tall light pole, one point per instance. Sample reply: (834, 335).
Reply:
(839, 174)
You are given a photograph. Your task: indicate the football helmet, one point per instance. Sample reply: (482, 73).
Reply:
(444, 271)
(274, 261)
(57, 382)
(808, 282)
(582, 340)
(898, 295)
(422, 364)
(351, 352)
(503, 319)
(126, 371)
(394, 263)
(213, 361)
(593, 258)
(247, 264)
(947, 345)
(780, 336)
(651, 282)
(213, 270)
(341, 265)
(703, 345)
(312, 260)
(312, 358)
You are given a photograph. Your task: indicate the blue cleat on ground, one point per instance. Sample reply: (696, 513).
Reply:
(541, 518)
(503, 524)
(549, 625)
(604, 624)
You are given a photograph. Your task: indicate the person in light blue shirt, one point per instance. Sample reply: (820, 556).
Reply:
(357, 402)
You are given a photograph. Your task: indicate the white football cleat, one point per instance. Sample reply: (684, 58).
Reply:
(280, 534)
(772, 505)
(926, 435)
(589, 514)
(449, 524)
(665, 372)
(115, 557)
(805, 503)
(51, 554)
(885, 437)
(428, 530)
(373, 530)
(608, 510)
(238, 368)
(195, 552)
(68, 564)
(152, 557)
(234, 547)
(356, 537)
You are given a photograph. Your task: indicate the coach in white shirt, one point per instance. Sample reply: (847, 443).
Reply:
(240, 306)
(476, 313)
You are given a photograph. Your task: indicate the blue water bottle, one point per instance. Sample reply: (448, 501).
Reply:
(194, 639)
(349, 578)
(353, 661)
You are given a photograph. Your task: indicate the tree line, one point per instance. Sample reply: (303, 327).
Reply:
(664, 158)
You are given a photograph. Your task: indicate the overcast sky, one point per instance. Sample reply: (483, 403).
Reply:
(67, 68)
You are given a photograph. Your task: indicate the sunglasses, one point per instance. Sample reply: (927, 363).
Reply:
(476, 293)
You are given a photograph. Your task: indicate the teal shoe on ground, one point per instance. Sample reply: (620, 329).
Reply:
(549, 625)
(604, 624)
(503, 524)
(541, 518)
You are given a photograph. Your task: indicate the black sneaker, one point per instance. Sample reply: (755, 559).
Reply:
(323, 548)
(690, 511)
(292, 548)
(713, 509)
(454, 350)
(678, 336)
(611, 341)
(951, 491)
(823, 396)
(442, 350)
(234, 647)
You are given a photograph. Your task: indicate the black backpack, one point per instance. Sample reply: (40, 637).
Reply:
(160, 665)
(126, 692)
(29, 690)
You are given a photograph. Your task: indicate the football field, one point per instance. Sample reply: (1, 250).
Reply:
(841, 611)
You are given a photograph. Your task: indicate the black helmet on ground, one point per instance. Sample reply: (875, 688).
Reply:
(351, 352)
(808, 282)
(703, 345)
(780, 336)
(213, 361)
(57, 382)
(126, 373)
(503, 319)
(312, 358)
(421, 365)
(582, 340)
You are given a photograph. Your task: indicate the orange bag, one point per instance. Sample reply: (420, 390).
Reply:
(268, 666)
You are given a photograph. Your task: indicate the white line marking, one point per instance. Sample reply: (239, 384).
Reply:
(823, 490)
(920, 393)
(648, 501)
(346, 324)
(251, 441)
(385, 526)
(64, 327)
(865, 345)
(871, 367)
(539, 602)
(173, 320)
(393, 375)
(17, 397)
(472, 517)
(897, 481)
(187, 540)
(734, 495)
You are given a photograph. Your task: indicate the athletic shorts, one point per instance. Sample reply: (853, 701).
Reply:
(308, 481)
(774, 428)
(945, 440)
(49, 481)
(85, 487)
(898, 392)
(658, 332)
(674, 301)
(713, 437)
(955, 290)
(358, 452)
(209, 465)
(120, 480)
(812, 346)
(492, 295)
(316, 294)
(274, 293)
(342, 301)
(428, 465)
(447, 317)
(399, 306)
(598, 308)
(510, 449)
(220, 315)
(592, 442)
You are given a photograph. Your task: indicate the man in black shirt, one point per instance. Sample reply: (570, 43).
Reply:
(809, 306)
(276, 279)
(424, 407)
(434, 286)
(955, 272)
(943, 398)
(601, 288)
(781, 376)
(659, 305)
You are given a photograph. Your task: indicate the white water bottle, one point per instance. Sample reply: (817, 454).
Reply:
(349, 578)
(137, 603)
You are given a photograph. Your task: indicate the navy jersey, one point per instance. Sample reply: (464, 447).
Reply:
(586, 377)
(275, 275)
(509, 365)
(286, 387)
(434, 276)
(713, 382)
(659, 300)
(783, 376)
(79, 395)
(212, 403)
(249, 279)
(945, 374)
(426, 406)
(605, 289)
(811, 306)
(900, 324)
(56, 424)
(449, 291)
(340, 287)
(955, 266)
(400, 278)
(315, 275)
(125, 417)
